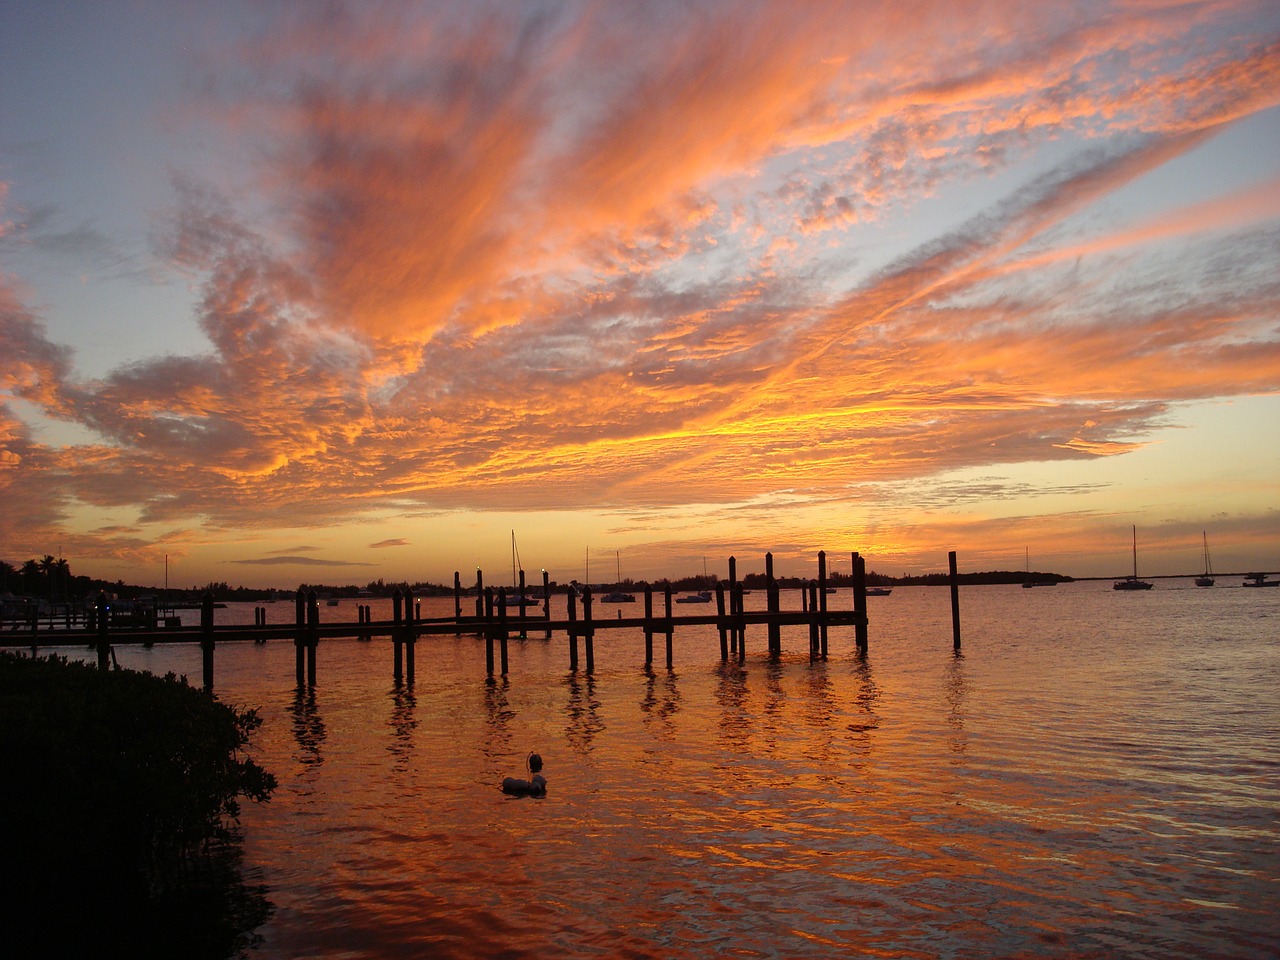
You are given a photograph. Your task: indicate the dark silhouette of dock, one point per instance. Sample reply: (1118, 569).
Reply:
(489, 615)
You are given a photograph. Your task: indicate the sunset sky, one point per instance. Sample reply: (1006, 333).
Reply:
(338, 292)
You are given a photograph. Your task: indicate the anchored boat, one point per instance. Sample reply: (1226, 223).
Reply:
(619, 595)
(1034, 583)
(1259, 580)
(1132, 582)
(1205, 579)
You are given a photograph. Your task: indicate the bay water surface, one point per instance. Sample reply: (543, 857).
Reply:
(1095, 774)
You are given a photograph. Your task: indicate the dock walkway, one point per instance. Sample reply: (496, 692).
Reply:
(492, 620)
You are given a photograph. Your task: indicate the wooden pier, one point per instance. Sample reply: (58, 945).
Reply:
(494, 621)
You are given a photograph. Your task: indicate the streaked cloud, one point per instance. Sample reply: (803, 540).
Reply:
(614, 255)
(297, 562)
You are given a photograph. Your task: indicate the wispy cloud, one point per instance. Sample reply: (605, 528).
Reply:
(512, 248)
(297, 562)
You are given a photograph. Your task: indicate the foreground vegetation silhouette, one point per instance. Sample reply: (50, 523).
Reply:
(118, 817)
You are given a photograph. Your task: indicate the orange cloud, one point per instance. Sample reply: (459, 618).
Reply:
(577, 257)
(1246, 207)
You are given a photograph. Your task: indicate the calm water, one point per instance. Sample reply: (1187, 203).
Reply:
(1097, 776)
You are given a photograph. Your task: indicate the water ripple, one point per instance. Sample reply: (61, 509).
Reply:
(1087, 779)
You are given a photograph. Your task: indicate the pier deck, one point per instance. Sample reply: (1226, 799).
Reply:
(492, 622)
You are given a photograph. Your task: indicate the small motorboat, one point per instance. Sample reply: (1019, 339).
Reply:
(516, 600)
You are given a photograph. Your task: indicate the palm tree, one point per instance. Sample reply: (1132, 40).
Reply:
(30, 574)
(47, 567)
(62, 578)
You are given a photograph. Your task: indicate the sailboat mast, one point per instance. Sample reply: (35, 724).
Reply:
(1135, 551)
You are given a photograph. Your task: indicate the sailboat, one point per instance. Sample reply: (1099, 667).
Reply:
(515, 598)
(1035, 583)
(702, 596)
(1206, 578)
(1132, 582)
(619, 595)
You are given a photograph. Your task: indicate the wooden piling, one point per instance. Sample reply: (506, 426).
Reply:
(773, 603)
(457, 603)
(588, 630)
(502, 625)
(739, 628)
(546, 600)
(313, 635)
(955, 600)
(300, 635)
(666, 595)
(486, 600)
(813, 619)
(720, 622)
(573, 630)
(822, 601)
(734, 634)
(397, 658)
(860, 600)
(103, 623)
(206, 640)
(648, 625)
(411, 614)
(524, 633)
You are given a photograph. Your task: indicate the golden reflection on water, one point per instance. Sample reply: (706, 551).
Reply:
(308, 728)
(956, 691)
(403, 723)
(1112, 798)
(582, 712)
(660, 704)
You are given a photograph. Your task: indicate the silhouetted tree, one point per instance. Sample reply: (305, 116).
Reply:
(30, 574)
(62, 578)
